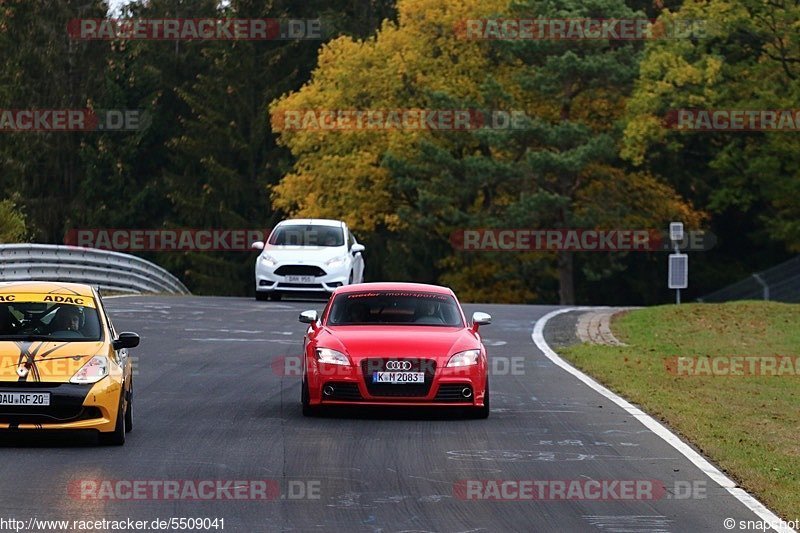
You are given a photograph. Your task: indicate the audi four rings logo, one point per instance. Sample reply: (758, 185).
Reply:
(398, 365)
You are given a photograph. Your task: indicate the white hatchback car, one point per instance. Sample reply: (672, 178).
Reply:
(308, 256)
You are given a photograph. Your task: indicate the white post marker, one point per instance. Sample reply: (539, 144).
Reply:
(678, 275)
(675, 232)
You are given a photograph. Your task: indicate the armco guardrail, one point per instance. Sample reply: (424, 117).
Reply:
(107, 270)
(780, 283)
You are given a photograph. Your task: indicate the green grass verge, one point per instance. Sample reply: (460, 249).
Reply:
(747, 425)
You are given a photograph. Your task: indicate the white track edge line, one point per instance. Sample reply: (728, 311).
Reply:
(656, 427)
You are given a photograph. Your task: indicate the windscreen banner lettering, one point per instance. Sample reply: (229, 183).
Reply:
(48, 298)
(429, 295)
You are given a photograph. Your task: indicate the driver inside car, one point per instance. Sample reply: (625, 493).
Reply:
(68, 318)
(427, 313)
(358, 313)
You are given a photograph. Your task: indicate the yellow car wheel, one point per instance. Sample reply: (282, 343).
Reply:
(129, 414)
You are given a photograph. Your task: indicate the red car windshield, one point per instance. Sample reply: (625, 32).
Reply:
(396, 308)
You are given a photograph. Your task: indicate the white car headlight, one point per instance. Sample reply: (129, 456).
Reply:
(268, 260)
(466, 358)
(332, 357)
(92, 372)
(336, 262)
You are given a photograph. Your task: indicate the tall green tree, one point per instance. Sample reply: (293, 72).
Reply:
(567, 149)
(204, 155)
(124, 178)
(225, 157)
(42, 68)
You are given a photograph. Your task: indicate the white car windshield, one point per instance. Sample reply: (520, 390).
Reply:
(310, 235)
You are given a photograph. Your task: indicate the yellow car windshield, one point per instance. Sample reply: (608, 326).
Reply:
(48, 317)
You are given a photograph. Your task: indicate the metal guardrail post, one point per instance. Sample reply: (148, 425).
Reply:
(763, 284)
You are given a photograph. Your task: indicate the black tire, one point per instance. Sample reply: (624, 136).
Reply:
(129, 414)
(261, 296)
(116, 437)
(308, 410)
(482, 412)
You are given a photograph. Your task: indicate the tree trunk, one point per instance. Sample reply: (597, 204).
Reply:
(566, 289)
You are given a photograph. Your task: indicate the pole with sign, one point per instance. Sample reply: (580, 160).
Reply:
(678, 275)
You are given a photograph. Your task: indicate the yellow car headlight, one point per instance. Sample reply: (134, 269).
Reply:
(92, 372)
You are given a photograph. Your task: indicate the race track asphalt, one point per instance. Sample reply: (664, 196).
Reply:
(212, 402)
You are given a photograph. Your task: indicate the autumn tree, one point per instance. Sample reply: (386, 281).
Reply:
(747, 181)
(559, 170)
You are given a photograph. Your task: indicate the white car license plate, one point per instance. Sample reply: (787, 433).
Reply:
(25, 398)
(398, 377)
(300, 279)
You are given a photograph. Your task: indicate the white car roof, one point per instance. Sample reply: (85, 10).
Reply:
(311, 222)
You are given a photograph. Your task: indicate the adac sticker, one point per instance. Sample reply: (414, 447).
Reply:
(70, 299)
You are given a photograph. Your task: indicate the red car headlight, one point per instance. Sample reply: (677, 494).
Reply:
(465, 358)
(332, 357)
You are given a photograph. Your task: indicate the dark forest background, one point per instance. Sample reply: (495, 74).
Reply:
(210, 159)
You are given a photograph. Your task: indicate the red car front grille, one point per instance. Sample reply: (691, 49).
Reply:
(369, 366)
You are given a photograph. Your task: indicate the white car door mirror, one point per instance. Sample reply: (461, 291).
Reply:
(257, 245)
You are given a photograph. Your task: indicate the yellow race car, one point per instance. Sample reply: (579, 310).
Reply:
(62, 364)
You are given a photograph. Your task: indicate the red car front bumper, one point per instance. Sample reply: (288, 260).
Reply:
(353, 385)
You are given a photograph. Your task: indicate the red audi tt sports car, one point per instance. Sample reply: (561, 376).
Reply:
(394, 344)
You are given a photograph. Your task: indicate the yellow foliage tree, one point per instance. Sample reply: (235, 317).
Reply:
(558, 172)
(339, 173)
